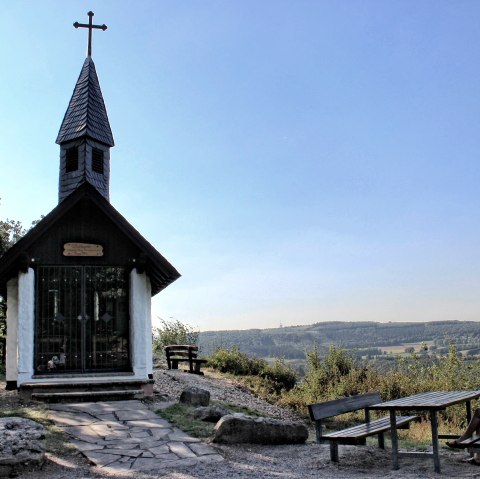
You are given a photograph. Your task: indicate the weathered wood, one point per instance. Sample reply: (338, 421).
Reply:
(177, 353)
(435, 400)
(367, 429)
(341, 406)
(355, 435)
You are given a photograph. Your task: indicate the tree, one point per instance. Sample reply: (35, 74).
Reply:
(10, 232)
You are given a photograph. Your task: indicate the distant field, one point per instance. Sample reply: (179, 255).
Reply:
(401, 347)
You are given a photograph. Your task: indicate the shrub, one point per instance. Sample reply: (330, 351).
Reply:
(173, 332)
(235, 362)
(263, 378)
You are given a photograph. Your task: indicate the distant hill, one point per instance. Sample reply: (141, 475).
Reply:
(291, 342)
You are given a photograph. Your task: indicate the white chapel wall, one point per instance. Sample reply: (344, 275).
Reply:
(140, 324)
(12, 330)
(26, 325)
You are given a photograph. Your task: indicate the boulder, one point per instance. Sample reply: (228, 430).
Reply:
(210, 413)
(21, 441)
(195, 396)
(239, 428)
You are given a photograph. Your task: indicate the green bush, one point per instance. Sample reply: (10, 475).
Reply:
(172, 332)
(259, 375)
(235, 362)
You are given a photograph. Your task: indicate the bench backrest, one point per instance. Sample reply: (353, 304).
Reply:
(181, 350)
(341, 406)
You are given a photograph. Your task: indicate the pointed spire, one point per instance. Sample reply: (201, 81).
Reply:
(86, 114)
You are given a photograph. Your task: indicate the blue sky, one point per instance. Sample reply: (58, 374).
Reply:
(297, 161)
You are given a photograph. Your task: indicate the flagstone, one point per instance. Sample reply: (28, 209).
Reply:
(99, 458)
(129, 415)
(84, 433)
(86, 446)
(161, 433)
(124, 452)
(68, 418)
(201, 449)
(125, 436)
(108, 417)
(148, 423)
(159, 450)
(140, 434)
(181, 450)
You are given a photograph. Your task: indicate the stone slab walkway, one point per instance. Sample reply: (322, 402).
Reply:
(125, 436)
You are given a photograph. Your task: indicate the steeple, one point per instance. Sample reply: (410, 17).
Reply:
(85, 137)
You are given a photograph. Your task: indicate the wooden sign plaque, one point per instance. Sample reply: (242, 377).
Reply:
(82, 249)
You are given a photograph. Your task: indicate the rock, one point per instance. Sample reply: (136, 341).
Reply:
(210, 413)
(195, 396)
(239, 428)
(21, 441)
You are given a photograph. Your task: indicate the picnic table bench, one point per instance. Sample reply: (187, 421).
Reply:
(355, 435)
(177, 353)
(432, 402)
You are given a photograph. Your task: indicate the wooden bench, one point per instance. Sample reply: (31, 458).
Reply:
(187, 353)
(355, 435)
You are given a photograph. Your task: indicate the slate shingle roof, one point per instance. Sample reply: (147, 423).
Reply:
(86, 114)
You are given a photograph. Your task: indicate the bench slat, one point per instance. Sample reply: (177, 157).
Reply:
(184, 353)
(341, 406)
(367, 429)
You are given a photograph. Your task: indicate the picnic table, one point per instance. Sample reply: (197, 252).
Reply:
(432, 402)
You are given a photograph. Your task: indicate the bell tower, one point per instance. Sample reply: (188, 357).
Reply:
(85, 136)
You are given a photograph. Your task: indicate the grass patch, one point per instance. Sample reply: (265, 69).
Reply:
(181, 416)
(240, 409)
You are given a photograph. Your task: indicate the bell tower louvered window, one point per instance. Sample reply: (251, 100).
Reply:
(71, 160)
(97, 161)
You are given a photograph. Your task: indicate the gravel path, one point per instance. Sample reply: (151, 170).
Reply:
(170, 383)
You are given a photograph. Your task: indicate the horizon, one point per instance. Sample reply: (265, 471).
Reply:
(334, 322)
(313, 160)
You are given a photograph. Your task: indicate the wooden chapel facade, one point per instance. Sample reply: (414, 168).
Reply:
(79, 284)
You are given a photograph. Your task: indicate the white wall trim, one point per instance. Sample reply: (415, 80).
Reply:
(26, 325)
(140, 324)
(11, 358)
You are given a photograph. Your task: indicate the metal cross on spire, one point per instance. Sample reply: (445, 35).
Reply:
(90, 27)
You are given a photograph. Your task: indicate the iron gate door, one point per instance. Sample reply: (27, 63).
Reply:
(82, 319)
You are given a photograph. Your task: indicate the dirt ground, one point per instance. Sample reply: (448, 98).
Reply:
(253, 461)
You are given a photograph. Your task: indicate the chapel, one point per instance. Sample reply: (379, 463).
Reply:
(79, 284)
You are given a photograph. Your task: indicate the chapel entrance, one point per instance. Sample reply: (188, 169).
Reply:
(82, 320)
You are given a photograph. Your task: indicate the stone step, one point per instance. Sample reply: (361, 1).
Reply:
(85, 382)
(86, 389)
(67, 396)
